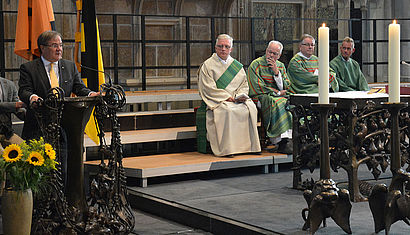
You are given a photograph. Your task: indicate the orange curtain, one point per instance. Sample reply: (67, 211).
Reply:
(33, 18)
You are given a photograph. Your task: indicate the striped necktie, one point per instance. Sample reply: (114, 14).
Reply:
(53, 77)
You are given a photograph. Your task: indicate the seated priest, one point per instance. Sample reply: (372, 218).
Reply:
(303, 69)
(348, 73)
(268, 84)
(231, 116)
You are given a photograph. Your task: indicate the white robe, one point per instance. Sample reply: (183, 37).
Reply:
(231, 127)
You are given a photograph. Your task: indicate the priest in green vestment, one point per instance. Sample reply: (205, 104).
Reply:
(231, 116)
(348, 73)
(303, 69)
(268, 85)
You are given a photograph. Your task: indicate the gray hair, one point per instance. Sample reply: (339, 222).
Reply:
(277, 43)
(304, 36)
(225, 36)
(45, 37)
(349, 40)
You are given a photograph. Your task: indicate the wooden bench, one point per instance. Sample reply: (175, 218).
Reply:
(149, 135)
(159, 96)
(153, 119)
(158, 125)
(129, 120)
(171, 83)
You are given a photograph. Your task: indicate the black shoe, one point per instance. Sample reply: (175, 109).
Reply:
(286, 146)
(272, 148)
(228, 156)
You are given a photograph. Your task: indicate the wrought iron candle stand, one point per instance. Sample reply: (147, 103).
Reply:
(325, 199)
(391, 204)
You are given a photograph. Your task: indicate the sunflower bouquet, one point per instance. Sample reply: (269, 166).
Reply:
(26, 166)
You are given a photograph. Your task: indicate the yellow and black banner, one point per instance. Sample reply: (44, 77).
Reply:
(92, 69)
(91, 56)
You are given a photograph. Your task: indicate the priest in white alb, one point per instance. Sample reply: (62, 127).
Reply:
(231, 116)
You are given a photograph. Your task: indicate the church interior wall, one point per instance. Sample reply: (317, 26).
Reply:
(379, 9)
(271, 22)
(404, 13)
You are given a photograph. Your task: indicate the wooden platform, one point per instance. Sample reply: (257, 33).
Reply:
(151, 135)
(142, 127)
(179, 163)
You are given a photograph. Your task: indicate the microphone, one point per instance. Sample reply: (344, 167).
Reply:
(98, 71)
(115, 94)
(405, 63)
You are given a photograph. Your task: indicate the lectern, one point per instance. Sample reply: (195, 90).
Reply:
(76, 113)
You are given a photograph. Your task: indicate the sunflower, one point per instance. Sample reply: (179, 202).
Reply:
(48, 148)
(36, 159)
(51, 154)
(12, 153)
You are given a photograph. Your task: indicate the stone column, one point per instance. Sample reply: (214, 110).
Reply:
(310, 26)
(343, 12)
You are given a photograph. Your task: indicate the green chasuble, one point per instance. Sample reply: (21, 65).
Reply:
(348, 74)
(263, 87)
(303, 75)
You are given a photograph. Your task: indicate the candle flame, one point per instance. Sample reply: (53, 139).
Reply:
(323, 25)
(394, 21)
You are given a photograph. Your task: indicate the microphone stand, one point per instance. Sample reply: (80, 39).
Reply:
(99, 71)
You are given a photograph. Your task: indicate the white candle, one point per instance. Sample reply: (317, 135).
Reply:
(323, 64)
(394, 63)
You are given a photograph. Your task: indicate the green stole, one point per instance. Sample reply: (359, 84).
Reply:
(221, 83)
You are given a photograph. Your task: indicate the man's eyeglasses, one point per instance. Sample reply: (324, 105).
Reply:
(308, 44)
(273, 53)
(55, 45)
(222, 46)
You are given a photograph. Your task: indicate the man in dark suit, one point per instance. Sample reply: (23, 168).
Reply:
(9, 103)
(37, 77)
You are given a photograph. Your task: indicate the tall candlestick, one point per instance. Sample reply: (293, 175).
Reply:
(323, 65)
(394, 63)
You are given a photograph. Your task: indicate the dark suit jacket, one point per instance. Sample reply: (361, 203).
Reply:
(34, 80)
(8, 106)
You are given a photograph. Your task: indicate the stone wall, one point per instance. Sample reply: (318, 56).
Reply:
(401, 11)
(271, 21)
(385, 9)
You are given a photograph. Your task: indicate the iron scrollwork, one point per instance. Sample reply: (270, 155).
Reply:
(108, 210)
(356, 136)
(391, 204)
(306, 147)
(108, 190)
